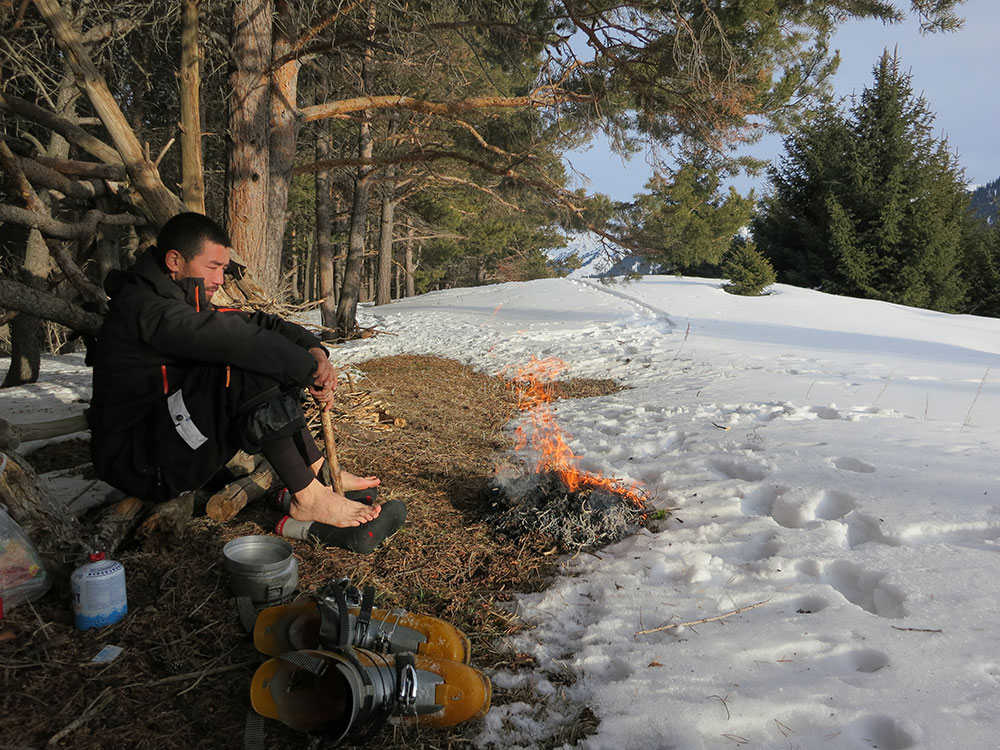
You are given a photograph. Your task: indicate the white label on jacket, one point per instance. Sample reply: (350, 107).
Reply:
(181, 418)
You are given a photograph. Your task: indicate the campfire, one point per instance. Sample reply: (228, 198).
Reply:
(574, 510)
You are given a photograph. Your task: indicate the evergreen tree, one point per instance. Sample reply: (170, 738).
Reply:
(982, 268)
(685, 221)
(871, 204)
(792, 224)
(748, 272)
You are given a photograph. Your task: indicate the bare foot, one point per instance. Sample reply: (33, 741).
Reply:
(319, 503)
(350, 481)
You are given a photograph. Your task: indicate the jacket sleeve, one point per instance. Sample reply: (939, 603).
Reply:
(183, 334)
(291, 331)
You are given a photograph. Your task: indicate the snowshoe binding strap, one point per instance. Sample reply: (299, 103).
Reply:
(335, 621)
(364, 621)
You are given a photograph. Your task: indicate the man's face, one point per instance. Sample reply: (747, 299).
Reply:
(210, 264)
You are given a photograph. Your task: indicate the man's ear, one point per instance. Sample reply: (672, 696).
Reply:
(172, 260)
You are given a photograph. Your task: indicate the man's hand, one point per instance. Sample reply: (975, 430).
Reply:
(324, 379)
(323, 396)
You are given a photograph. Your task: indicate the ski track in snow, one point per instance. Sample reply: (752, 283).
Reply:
(744, 528)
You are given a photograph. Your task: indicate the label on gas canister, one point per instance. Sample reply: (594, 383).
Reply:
(99, 597)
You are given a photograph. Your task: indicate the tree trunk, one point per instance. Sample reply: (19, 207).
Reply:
(383, 294)
(160, 202)
(370, 259)
(284, 132)
(347, 307)
(248, 168)
(350, 290)
(27, 331)
(340, 225)
(409, 265)
(309, 272)
(324, 234)
(192, 169)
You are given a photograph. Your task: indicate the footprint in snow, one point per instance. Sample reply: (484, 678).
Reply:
(825, 412)
(983, 535)
(850, 666)
(859, 586)
(764, 546)
(731, 468)
(853, 464)
(866, 660)
(862, 529)
(760, 500)
(833, 505)
(882, 732)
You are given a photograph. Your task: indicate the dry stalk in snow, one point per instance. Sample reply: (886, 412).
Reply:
(724, 615)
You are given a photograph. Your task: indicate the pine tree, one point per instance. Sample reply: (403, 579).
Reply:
(749, 273)
(686, 221)
(982, 268)
(871, 204)
(908, 197)
(792, 224)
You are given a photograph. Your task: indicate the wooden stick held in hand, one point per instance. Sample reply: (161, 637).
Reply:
(331, 453)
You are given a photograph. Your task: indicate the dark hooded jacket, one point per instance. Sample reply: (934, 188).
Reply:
(157, 330)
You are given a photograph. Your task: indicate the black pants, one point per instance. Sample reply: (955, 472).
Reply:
(209, 415)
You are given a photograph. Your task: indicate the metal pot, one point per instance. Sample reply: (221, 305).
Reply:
(261, 568)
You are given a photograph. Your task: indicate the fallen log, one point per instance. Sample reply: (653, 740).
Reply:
(235, 496)
(12, 435)
(166, 523)
(54, 531)
(115, 526)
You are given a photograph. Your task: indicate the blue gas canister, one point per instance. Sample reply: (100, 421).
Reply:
(99, 597)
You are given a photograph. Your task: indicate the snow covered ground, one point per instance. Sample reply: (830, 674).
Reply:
(833, 460)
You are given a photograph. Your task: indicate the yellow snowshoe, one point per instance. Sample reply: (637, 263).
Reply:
(332, 619)
(351, 692)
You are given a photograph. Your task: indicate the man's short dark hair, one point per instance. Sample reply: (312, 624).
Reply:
(187, 233)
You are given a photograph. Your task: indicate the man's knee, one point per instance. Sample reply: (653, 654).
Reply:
(270, 415)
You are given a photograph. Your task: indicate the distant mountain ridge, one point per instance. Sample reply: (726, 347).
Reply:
(595, 258)
(986, 201)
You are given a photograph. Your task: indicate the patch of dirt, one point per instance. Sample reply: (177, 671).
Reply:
(183, 678)
(65, 454)
(586, 387)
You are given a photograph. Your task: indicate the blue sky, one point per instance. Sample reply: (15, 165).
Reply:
(957, 73)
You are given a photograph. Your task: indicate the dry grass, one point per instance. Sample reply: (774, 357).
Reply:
(183, 679)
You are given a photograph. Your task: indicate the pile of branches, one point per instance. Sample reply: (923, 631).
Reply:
(583, 520)
(363, 409)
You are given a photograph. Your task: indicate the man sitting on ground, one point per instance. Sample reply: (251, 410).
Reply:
(181, 385)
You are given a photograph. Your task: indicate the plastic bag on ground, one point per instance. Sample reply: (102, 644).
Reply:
(22, 574)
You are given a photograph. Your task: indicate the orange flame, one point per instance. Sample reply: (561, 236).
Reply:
(534, 384)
